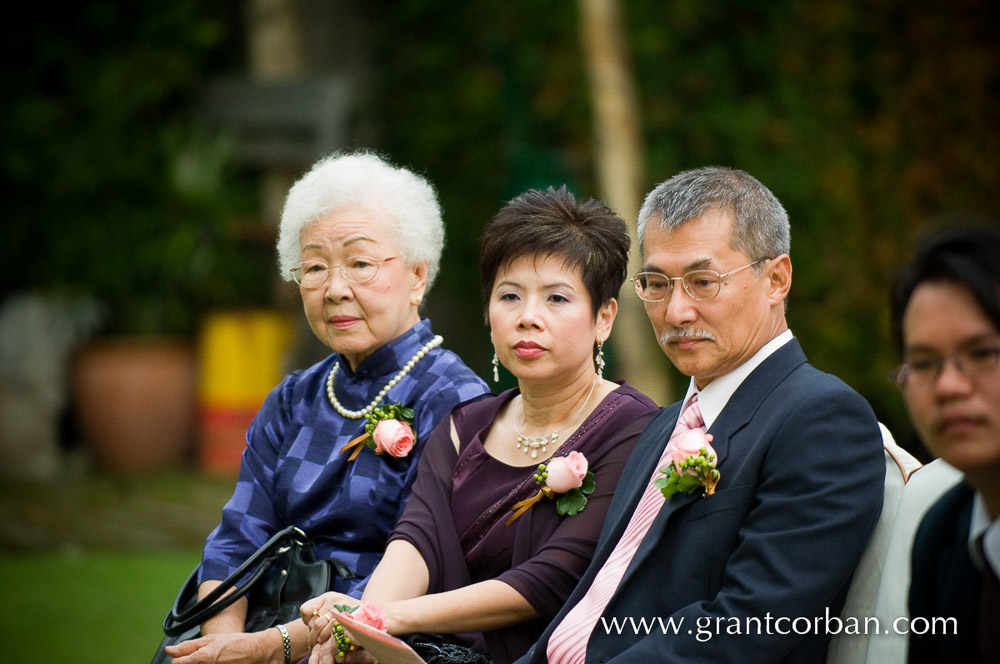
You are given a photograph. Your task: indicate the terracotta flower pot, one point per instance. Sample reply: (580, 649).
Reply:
(135, 402)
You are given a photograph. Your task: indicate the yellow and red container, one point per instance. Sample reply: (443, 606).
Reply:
(242, 358)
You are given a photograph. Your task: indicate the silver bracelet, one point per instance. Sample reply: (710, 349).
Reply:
(287, 643)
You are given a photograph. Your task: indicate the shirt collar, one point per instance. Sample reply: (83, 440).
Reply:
(389, 358)
(981, 524)
(716, 394)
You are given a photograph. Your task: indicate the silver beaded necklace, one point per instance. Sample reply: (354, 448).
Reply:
(531, 445)
(358, 414)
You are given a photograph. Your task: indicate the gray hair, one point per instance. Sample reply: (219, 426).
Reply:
(363, 179)
(760, 223)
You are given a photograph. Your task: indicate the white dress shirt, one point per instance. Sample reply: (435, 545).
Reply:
(716, 394)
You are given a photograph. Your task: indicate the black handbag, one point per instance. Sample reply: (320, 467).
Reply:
(443, 649)
(279, 577)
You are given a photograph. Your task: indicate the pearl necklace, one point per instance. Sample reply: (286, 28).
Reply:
(358, 414)
(532, 444)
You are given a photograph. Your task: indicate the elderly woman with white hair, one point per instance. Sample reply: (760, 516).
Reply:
(363, 240)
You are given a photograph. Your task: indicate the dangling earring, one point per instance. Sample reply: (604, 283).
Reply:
(496, 368)
(599, 360)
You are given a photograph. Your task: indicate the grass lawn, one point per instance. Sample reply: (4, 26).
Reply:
(88, 607)
(89, 565)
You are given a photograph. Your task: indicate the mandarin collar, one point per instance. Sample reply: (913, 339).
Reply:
(391, 357)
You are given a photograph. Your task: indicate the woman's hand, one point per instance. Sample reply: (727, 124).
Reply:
(326, 653)
(222, 648)
(320, 615)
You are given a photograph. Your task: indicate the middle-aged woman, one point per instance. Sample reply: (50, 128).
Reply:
(363, 239)
(551, 267)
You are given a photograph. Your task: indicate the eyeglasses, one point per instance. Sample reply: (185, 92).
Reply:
(927, 369)
(356, 269)
(699, 284)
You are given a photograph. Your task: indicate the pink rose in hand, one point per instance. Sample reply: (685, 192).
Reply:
(566, 473)
(371, 614)
(689, 444)
(393, 437)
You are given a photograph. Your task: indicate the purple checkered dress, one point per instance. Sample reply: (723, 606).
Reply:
(292, 472)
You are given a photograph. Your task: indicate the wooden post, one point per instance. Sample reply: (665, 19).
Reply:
(620, 175)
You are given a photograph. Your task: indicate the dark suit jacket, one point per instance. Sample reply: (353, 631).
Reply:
(802, 476)
(944, 581)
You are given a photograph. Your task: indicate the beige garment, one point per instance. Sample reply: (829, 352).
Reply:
(881, 582)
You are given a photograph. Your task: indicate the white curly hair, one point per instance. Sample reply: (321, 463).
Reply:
(364, 179)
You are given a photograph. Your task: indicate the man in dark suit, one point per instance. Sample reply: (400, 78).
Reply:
(946, 320)
(751, 570)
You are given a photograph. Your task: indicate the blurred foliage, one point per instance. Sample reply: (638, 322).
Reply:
(866, 120)
(488, 99)
(114, 189)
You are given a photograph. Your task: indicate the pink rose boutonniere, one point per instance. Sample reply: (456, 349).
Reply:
(389, 430)
(692, 465)
(567, 475)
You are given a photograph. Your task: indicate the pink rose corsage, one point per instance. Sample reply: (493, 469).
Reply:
(389, 431)
(368, 613)
(372, 614)
(692, 465)
(567, 475)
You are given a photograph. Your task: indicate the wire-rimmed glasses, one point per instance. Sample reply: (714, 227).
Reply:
(355, 269)
(699, 284)
(924, 369)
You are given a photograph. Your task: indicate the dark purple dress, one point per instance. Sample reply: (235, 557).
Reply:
(460, 502)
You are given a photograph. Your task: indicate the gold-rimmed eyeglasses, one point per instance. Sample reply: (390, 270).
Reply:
(926, 369)
(356, 269)
(699, 284)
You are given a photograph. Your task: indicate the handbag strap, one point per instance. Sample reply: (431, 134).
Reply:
(180, 620)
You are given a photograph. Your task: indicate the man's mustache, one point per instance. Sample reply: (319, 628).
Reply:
(677, 333)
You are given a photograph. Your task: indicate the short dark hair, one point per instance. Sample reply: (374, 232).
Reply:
(586, 234)
(968, 256)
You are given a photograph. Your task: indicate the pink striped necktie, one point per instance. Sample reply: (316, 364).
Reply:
(568, 643)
